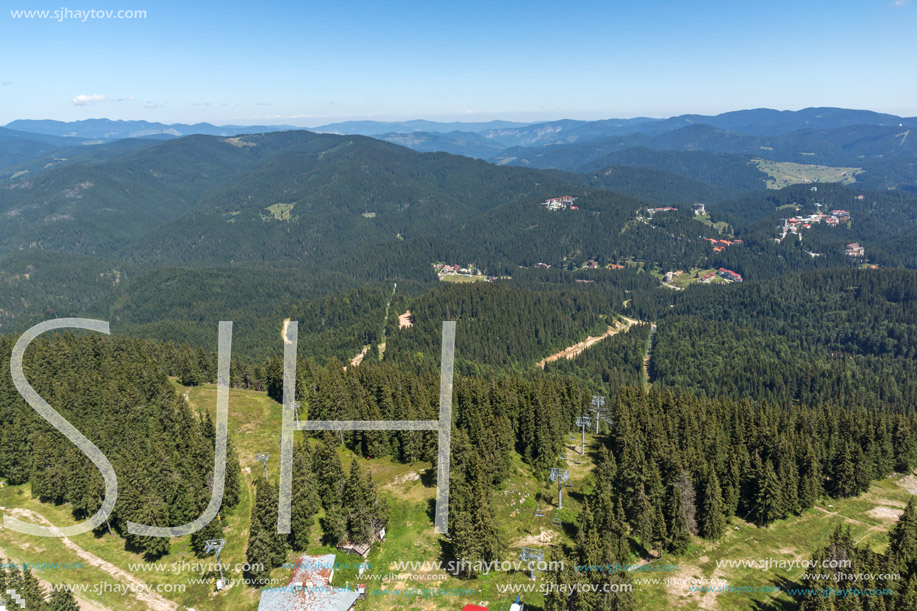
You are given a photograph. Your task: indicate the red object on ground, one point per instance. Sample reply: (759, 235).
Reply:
(474, 608)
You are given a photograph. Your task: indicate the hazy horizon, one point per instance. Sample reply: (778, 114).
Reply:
(320, 122)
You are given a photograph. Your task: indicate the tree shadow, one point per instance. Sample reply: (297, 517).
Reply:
(428, 477)
(773, 604)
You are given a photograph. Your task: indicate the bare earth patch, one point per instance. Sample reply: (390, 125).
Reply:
(84, 604)
(401, 480)
(680, 594)
(405, 320)
(355, 361)
(909, 483)
(886, 514)
(577, 349)
(545, 537)
(152, 600)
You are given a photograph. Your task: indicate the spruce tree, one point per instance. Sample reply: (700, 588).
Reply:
(304, 502)
(31, 591)
(902, 540)
(62, 600)
(678, 538)
(266, 548)
(769, 501)
(329, 473)
(844, 479)
(646, 521)
(712, 518)
(357, 505)
(213, 530)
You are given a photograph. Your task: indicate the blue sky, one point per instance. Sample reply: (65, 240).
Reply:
(307, 63)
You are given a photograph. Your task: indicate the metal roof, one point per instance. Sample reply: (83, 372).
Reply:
(309, 589)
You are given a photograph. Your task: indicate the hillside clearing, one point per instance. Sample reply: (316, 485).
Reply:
(576, 349)
(785, 173)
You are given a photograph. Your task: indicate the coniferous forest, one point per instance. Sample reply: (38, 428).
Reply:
(720, 413)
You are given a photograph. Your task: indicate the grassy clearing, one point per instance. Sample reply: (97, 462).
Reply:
(687, 278)
(791, 539)
(462, 278)
(254, 425)
(720, 226)
(691, 276)
(281, 212)
(784, 173)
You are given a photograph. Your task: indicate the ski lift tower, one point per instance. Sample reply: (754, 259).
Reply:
(216, 545)
(561, 476)
(583, 422)
(296, 406)
(262, 458)
(597, 402)
(531, 555)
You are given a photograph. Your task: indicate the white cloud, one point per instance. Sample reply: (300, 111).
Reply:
(85, 100)
(7, 83)
(151, 105)
(902, 2)
(127, 99)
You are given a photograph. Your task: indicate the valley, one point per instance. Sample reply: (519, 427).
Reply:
(754, 397)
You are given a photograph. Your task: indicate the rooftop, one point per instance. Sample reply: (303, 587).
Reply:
(309, 589)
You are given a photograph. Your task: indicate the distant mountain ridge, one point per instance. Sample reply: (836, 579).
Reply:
(752, 122)
(108, 129)
(879, 143)
(375, 128)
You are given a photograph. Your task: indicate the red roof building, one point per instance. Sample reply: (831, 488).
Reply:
(728, 274)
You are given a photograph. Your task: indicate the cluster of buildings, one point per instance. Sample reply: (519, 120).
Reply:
(445, 269)
(794, 224)
(699, 209)
(560, 203)
(728, 275)
(310, 589)
(720, 245)
(669, 276)
(652, 211)
(593, 264)
(516, 606)
(855, 250)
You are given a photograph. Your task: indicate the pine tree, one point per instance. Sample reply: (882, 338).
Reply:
(646, 521)
(689, 500)
(31, 591)
(810, 478)
(334, 525)
(273, 379)
(471, 520)
(329, 473)
(266, 548)
(844, 475)
(187, 368)
(902, 540)
(62, 600)
(210, 532)
(660, 532)
(678, 537)
(769, 501)
(356, 503)
(588, 541)
(304, 502)
(712, 518)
